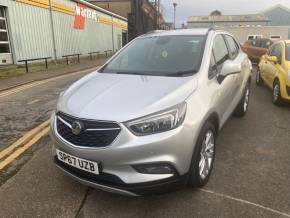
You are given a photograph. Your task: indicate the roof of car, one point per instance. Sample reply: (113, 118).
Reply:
(195, 31)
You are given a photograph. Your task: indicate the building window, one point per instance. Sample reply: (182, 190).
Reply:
(2, 25)
(4, 38)
(4, 48)
(275, 37)
(2, 12)
(250, 37)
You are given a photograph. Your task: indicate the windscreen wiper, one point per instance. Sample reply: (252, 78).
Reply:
(182, 73)
(134, 73)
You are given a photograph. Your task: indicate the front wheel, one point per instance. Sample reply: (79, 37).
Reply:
(276, 95)
(243, 105)
(203, 157)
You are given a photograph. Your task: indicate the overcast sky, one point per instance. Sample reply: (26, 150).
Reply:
(186, 8)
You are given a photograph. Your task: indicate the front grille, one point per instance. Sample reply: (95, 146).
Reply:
(93, 133)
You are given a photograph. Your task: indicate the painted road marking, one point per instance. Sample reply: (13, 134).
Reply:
(246, 202)
(21, 150)
(33, 101)
(37, 83)
(23, 139)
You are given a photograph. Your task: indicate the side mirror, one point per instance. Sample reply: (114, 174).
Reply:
(228, 68)
(273, 59)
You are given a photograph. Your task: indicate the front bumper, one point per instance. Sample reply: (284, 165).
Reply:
(285, 92)
(174, 147)
(113, 184)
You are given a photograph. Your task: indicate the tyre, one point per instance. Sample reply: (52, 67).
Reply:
(259, 80)
(243, 105)
(276, 95)
(203, 157)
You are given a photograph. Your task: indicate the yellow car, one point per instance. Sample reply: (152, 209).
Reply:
(274, 71)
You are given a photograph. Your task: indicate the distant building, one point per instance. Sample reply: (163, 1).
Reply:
(278, 15)
(227, 20)
(216, 13)
(271, 32)
(273, 23)
(124, 8)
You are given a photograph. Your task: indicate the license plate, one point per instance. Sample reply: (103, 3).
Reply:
(77, 162)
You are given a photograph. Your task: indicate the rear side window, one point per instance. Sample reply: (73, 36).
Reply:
(233, 47)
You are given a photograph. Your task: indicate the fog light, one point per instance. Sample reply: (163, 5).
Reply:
(156, 168)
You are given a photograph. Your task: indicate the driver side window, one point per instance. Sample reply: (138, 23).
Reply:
(276, 51)
(219, 55)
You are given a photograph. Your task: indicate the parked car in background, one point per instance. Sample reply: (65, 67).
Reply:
(147, 121)
(256, 48)
(274, 71)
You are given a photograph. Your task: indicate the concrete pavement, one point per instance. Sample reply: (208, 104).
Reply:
(34, 191)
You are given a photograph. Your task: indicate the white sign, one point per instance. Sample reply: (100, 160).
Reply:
(87, 13)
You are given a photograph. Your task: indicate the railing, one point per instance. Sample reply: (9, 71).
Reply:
(107, 51)
(92, 53)
(71, 55)
(34, 59)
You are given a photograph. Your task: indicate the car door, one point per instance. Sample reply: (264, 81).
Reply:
(237, 58)
(271, 67)
(274, 67)
(267, 66)
(226, 89)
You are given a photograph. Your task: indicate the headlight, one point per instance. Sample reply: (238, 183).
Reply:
(289, 74)
(158, 122)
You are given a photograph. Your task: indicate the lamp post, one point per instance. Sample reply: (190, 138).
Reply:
(174, 5)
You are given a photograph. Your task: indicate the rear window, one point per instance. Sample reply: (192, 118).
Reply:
(262, 43)
(266, 43)
(256, 43)
(288, 52)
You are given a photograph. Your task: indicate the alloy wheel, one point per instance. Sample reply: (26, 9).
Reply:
(246, 99)
(206, 154)
(276, 92)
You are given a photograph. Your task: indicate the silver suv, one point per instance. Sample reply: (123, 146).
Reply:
(147, 120)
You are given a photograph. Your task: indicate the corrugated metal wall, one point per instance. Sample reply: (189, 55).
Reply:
(31, 35)
(29, 30)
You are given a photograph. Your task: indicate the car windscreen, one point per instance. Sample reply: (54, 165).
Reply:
(177, 55)
(288, 52)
